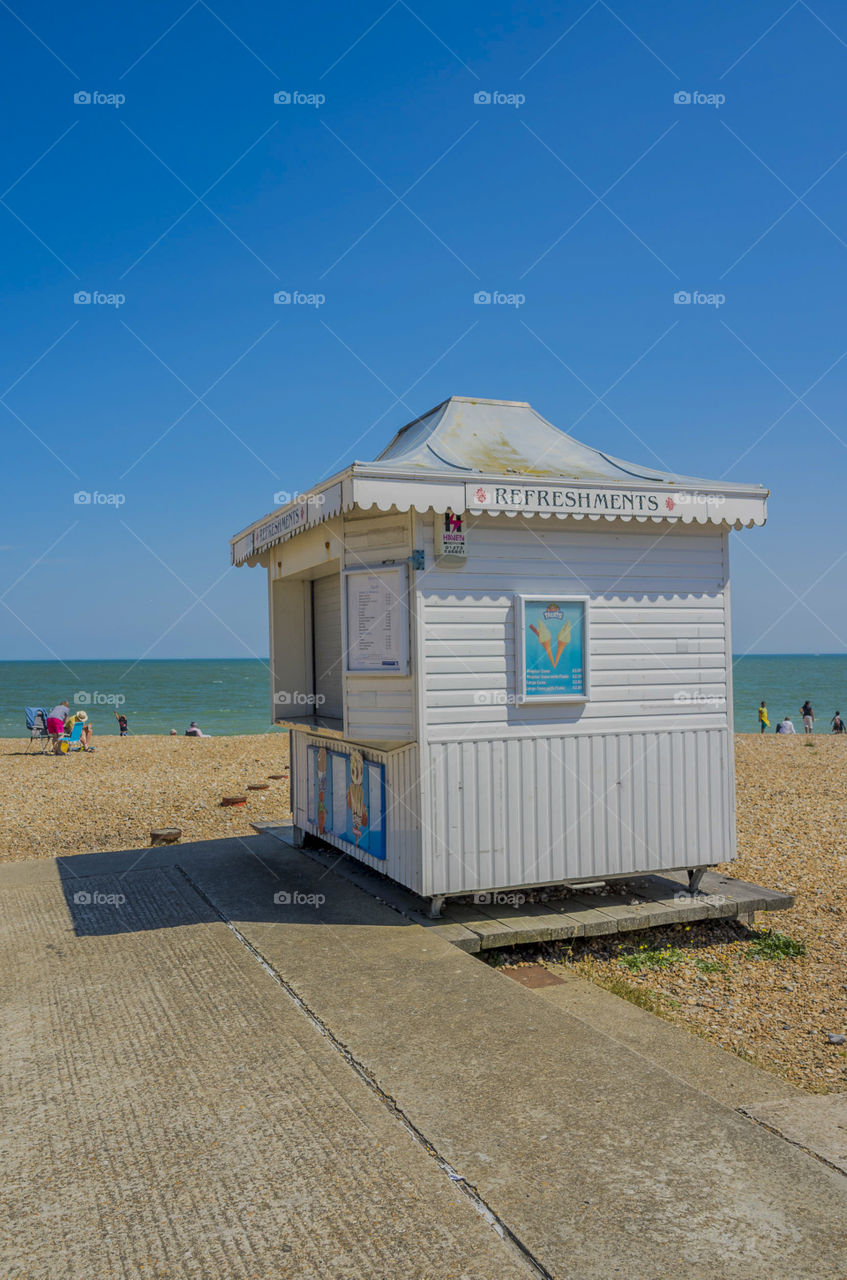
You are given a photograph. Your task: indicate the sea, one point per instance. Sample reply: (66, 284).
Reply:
(231, 695)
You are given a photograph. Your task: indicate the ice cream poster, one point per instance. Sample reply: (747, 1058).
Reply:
(346, 798)
(553, 637)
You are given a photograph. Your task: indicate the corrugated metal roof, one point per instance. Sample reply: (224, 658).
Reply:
(507, 437)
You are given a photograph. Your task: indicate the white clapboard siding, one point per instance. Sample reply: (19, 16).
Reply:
(402, 807)
(380, 708)
(539, 810)
(657, 641)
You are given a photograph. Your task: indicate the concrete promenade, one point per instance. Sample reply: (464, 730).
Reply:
(210, 1072)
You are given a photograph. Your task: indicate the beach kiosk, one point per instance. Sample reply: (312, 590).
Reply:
(505, 657)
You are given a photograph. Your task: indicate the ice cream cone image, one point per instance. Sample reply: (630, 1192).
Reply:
(563, 639)
(545, 637)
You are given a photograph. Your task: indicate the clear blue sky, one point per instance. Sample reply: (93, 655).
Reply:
(398, 198)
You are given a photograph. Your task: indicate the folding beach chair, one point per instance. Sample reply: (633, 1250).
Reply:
(36, 722)
(71, 741)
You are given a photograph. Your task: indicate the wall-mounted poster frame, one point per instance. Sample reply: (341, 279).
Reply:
(552, 634)
(375, 618)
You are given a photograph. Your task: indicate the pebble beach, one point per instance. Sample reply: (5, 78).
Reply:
(778, 1010)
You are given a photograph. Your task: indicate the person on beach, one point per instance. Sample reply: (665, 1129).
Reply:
(122, 724)
(808, 717)
(786, 726)
(837, 723)
(764, 722)
(194, 731)
(56, 719)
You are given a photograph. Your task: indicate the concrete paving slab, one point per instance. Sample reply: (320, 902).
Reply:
(817, 1124)
(695, 1061)
(169, 1110)
(602, 1162)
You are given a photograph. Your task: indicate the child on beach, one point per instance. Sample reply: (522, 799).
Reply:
(122, 724)
(764, 722)
(837, 723)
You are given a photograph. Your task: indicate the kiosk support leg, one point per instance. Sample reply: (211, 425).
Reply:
(695, 875)
(435, 905)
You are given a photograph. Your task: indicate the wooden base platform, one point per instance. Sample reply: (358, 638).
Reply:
(644, 902)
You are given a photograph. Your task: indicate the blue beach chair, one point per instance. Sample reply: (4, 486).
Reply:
(36, 722)
(71, 741)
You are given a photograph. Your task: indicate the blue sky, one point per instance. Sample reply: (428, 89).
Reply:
(398, 198)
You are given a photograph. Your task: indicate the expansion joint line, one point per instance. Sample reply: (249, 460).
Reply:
(466, 1188)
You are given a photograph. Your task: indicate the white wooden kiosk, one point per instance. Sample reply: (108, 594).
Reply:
(505, 656)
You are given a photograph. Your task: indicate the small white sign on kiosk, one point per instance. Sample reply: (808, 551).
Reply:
(377, 621)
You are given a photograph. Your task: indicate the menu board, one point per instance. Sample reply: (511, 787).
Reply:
(377, 621)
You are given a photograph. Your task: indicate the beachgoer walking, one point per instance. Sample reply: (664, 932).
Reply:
(808, 717)
(837, 723)
(786, 726)
(56, 719)
(764, 722)
(122, 724)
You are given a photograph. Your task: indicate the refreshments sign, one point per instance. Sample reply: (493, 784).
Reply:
(570, 498)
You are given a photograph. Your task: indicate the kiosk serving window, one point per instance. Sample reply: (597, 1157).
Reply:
(326, 647)
(552, 648)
